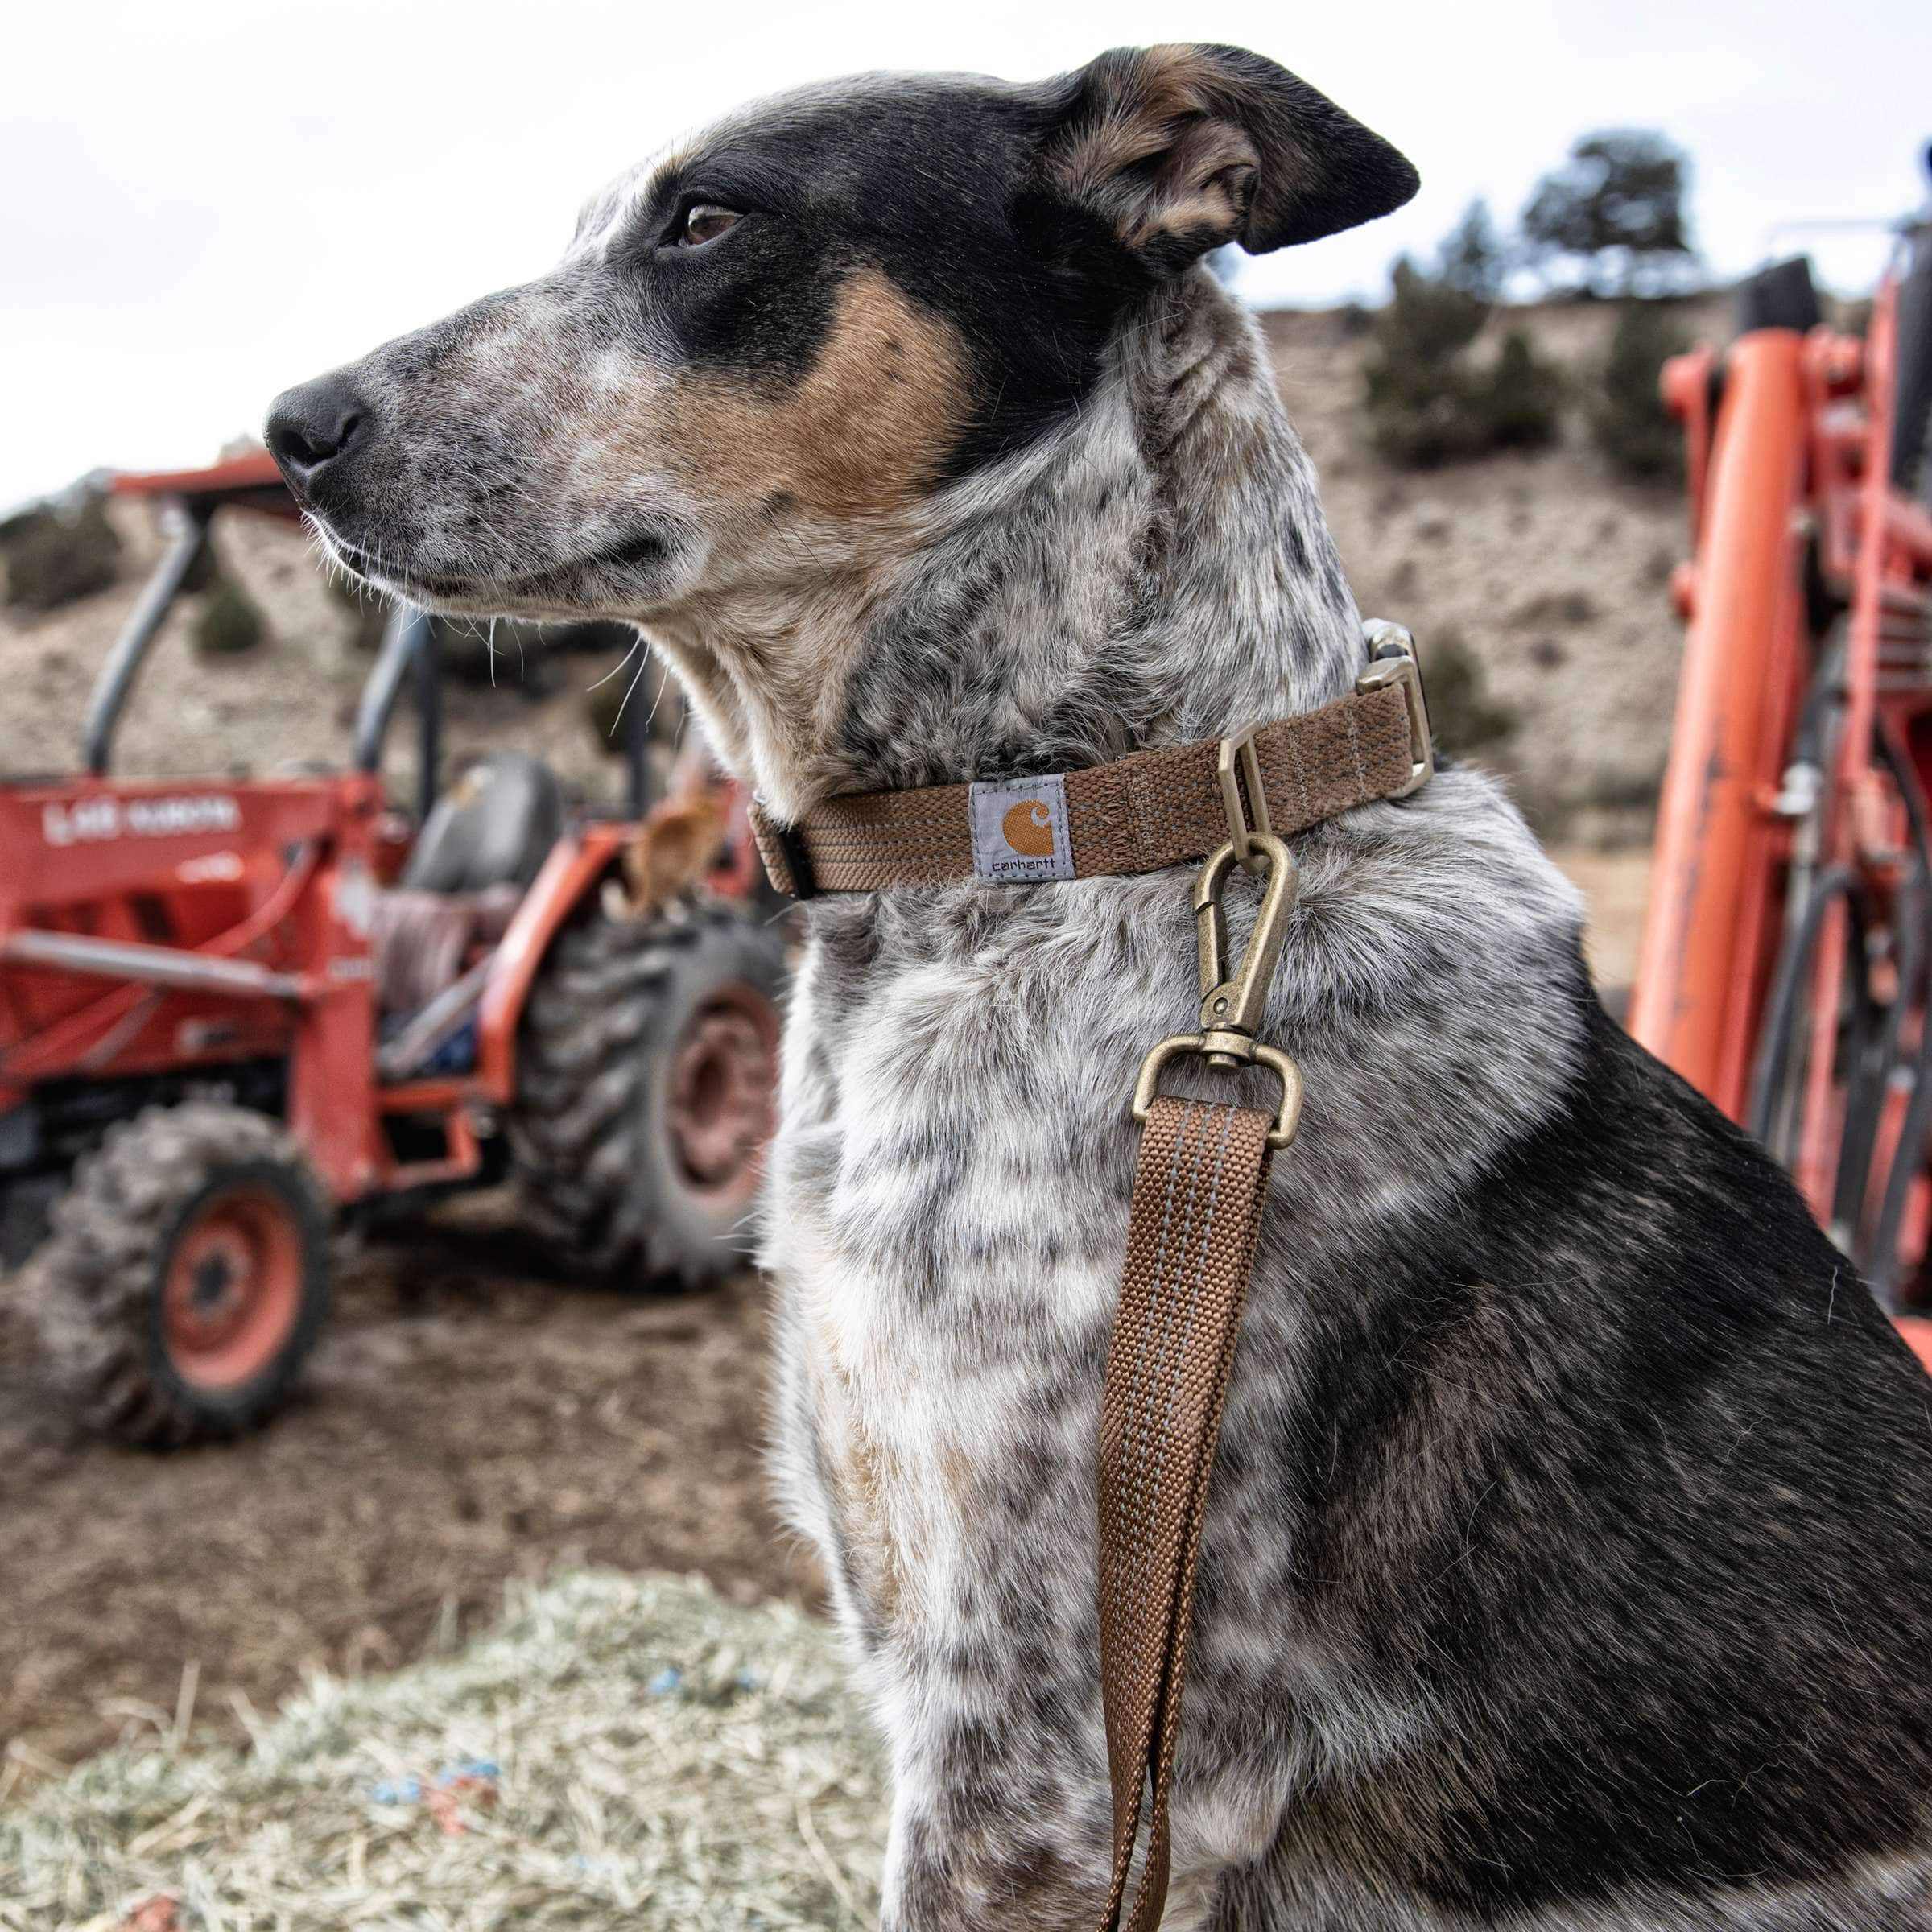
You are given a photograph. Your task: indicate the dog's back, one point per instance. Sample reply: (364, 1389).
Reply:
(1631, 1490)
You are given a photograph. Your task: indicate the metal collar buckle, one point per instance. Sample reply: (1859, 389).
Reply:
(1392, 652)
(1239, 762)
(1233, 1004)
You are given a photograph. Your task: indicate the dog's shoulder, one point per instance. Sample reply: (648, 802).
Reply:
(1633, 1477)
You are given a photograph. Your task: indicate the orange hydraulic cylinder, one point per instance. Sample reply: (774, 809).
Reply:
(1692, 969)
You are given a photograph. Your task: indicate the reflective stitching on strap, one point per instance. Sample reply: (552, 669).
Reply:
(1142, 1365)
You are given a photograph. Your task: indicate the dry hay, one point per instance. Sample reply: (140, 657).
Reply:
(619, 1750)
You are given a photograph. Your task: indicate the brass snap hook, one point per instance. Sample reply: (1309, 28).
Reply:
(1233, 1004)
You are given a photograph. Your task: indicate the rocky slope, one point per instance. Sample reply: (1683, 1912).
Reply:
(1548, 573)
(1540, 570)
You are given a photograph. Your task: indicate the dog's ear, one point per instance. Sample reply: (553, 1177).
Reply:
(1179, 149)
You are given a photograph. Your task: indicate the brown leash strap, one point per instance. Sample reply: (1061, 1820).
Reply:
(1192, 1232)
(1141, 813)
(1196, 1219)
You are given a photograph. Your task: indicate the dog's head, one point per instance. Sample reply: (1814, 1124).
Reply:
(765, 353)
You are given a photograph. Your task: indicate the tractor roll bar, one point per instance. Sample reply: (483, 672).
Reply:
(409, 650)
(124, 662)
(409, 646)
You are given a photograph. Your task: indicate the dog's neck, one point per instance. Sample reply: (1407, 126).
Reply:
(1156, 570)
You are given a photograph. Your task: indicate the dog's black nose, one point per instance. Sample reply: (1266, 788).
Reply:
(313, 427)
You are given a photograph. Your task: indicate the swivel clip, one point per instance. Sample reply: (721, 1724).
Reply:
(1233, 1000)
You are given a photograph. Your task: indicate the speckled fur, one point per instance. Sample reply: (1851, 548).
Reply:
(1563, 1570)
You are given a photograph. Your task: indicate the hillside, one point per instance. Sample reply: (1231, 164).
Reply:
(1550, 575)
(1539, 570)
(291, 700)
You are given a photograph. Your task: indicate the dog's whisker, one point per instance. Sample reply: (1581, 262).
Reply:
(616, 669)
(629, 690)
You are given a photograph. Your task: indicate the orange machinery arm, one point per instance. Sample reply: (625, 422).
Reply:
(1711, 929)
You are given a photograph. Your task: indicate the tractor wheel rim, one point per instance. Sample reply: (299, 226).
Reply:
(232, 1294)
(724, 1077)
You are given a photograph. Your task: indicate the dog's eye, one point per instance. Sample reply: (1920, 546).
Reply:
(705, 223)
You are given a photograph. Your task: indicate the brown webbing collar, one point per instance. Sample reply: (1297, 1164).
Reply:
(1202, 1180)
(1141, 813)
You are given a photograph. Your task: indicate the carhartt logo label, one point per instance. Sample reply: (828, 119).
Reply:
(1029, 829)
(1019, 830)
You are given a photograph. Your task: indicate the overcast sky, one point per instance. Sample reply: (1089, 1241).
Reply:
(207, 200)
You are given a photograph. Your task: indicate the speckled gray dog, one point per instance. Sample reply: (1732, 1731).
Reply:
(1565, 1567)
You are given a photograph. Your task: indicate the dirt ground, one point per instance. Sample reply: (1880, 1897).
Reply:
(467, 1418)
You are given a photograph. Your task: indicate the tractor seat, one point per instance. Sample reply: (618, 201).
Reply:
(494, 827)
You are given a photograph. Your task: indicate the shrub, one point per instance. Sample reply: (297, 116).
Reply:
(1627, 419)
(55, 556)
(1612, 216)
(1421, 425)
(1430, 318)
(1419, 394)
(228, 622)
(1429, 400)
(1522, 397)
(1474, 257)
(1464, 721)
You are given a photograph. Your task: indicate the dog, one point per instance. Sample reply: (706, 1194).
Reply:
(1565, 1562)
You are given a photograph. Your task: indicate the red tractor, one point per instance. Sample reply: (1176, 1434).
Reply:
(1787, 960)
(235, 1011)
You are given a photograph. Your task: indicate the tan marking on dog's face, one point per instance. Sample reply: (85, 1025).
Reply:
(861, 438)
(805, 496)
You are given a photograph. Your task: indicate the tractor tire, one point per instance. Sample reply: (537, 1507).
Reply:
(647, 1065)
(186, 1277)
